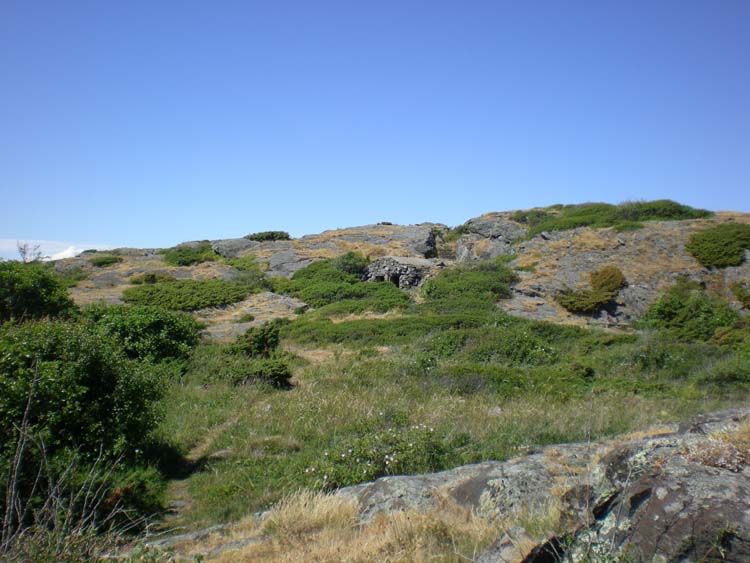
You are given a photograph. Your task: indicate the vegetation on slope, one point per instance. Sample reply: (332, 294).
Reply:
(625, 216)
(720, 246)
(189, 295)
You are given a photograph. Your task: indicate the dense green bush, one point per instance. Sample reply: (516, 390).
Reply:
(720, 246)
(336, 283)
(188, 295)
(70, 276)
(150, 278)
(605, 283)
(147, 333)
(608, 278)
(352, 263)
(187, 255)
(106, 260)
(268, 235)
(82, 391)
(29, 291)
(487, 280)
(625, 216)
(689, 312)
(259, 341)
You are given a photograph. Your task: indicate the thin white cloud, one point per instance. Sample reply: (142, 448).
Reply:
(51, 249)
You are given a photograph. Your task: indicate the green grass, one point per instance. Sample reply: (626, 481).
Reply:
(188, 295)
(151, 278)
(720, 246)
(625, 216)
(449, 381)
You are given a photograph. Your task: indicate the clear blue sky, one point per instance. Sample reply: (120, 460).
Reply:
(149, 123)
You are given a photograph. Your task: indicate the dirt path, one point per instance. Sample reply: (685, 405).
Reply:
(178, 492)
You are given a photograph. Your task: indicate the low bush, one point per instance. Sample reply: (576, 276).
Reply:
(104, 261)
(625, 216)
(720, 246)
(689, 312)
(352, 263)
(608, 278)
(388, 451)
(246, 318)
(490, 280)
(31, 291)
(584, 301)
(188, 295)
(188, 255)
(264, 236)
(605, 283)
(147, 333)
(741, 291)
(150, 278)
(259, 341)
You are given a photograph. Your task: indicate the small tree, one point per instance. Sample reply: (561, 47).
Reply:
(29, 252)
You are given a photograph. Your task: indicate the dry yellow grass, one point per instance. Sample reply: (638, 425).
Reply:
(315, 527)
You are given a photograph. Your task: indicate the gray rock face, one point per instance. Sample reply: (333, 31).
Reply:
(488, 236)
(675, 497)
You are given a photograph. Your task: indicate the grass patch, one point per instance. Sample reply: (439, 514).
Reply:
(188, 295)
(720, 246)
(741, 292)
(625, 216)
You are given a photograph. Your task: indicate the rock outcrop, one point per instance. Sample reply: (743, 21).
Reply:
(404, 271)
(679, 494)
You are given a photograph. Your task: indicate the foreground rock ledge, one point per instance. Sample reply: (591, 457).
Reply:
(677, 494)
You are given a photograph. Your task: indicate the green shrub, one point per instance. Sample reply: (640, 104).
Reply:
(605, 283)
(147, 333)
(187, 255)
(104, 261)
(351, 263)
(150, 278)
(488, 280)
(689, 312)
(625, 216)
(608, 278)
(720, 246)
(188, 295)
(246, 318)
(268, 235)
(30, 291)
(741, 291)
(259, 340)
(85, 394)
(272, 371)
(584, 301)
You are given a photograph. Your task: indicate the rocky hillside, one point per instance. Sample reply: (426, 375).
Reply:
(651, 259)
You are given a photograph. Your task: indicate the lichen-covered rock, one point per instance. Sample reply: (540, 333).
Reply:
(647, 498)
